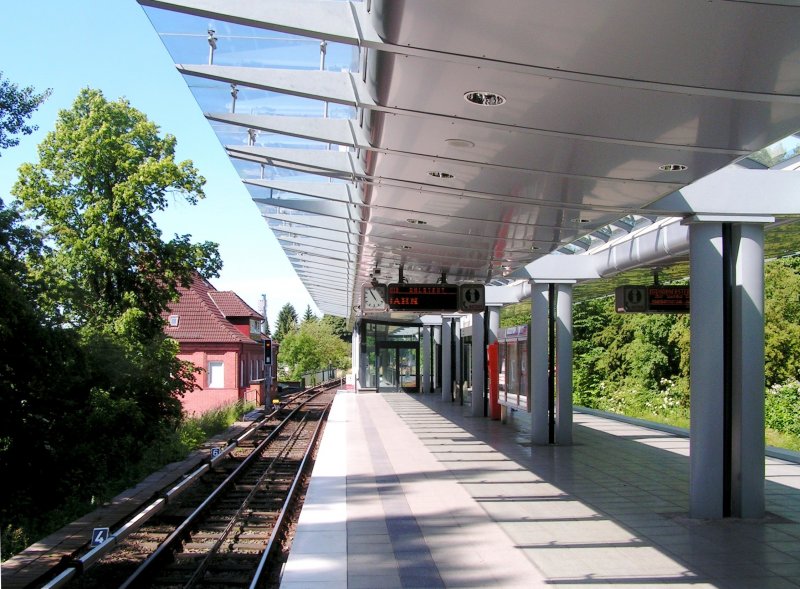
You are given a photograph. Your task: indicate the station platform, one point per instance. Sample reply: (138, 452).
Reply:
(407, 492)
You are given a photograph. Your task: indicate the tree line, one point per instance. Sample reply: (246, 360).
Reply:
(312, 344)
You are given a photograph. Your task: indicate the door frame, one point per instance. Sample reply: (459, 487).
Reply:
(397, 346)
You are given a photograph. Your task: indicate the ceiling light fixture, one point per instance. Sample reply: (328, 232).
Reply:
(672, 168)
(484, 98)
(440, 174)
(406, 247)
(416, 221)
(579, 220)
(462, 143)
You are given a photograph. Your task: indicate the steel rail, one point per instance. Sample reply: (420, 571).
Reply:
(279, 523)
(78, 566)
(175, 537)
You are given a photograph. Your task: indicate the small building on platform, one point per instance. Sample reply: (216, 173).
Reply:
(220, 334)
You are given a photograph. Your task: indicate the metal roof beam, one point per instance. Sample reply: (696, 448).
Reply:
(736, 191)
(344, 132)
(349, 23)
(334, 191)
(349, 89)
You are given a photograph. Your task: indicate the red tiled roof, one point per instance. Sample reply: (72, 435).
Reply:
(200, 319)
(232, 306)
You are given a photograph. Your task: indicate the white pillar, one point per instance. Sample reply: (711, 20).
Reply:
(459, 380)
(447, 359)
(747, 452)
(727, 367)
(355, 356)
(564, 364)
(426, 359)
(540, 310)
(478, 354)
(494, 323)
(706, 438)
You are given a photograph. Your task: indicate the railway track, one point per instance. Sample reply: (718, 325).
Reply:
(227, 522)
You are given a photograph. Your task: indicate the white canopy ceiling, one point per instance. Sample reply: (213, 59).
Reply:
(469, 139)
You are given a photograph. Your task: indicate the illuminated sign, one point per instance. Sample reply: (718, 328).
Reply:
(423, 297)
(652, 299)
(668, 299)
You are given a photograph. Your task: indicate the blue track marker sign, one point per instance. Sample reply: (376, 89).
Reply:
(215, 452)
(99, 535)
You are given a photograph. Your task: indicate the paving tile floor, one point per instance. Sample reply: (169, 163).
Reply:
(408, 492)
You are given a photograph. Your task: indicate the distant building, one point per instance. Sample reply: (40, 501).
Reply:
(220, 334)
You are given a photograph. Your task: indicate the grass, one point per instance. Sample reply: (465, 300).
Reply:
(772, 437)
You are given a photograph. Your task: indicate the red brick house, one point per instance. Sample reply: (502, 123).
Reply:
(220, 334)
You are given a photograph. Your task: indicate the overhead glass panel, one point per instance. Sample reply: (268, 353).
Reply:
(187, 38)
(778, 152)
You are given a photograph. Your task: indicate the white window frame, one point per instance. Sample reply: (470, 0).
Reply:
(216, 374)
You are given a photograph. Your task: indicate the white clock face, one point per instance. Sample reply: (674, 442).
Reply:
(374, 298)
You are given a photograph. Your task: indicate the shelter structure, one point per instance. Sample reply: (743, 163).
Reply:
(539, 149)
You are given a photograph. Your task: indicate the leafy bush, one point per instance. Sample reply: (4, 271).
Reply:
(782, 407)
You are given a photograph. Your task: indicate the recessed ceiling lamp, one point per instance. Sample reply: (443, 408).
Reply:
(672, 168)
(535, 248)
(579, 220)
(406, 247)
(462, 143)
(484, 98)
(416, 221)
(440, 174)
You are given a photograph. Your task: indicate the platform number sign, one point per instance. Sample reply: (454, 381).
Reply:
(215, 452)
(471, 298)
(99, 535)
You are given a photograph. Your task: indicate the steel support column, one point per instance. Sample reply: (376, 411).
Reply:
(426, 359)
(459, 379)
(447, 360)
(540, 430)
(564, 364)
(747, 449)
(478, 373)
(727, 369)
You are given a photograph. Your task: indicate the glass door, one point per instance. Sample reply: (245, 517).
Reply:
(388, 377)
(397, 367)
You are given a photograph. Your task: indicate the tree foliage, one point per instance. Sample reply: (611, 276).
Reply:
(309, 314)
(87, 377)
(287, 321)
(16, 107)
(101, 176)
(312, 347)
(782, 321)
(338, 327)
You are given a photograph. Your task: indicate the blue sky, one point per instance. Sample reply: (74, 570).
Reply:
(110, 45)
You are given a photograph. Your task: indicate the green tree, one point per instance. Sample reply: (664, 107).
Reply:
(16, 107)
(309, 314)
(101, 176)
(782, 320)
(87, 375)
(338, 327)
(312, 347)
(517, 314)
(287, 321)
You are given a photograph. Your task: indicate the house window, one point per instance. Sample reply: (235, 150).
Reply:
(174, 320)
(216, 375)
